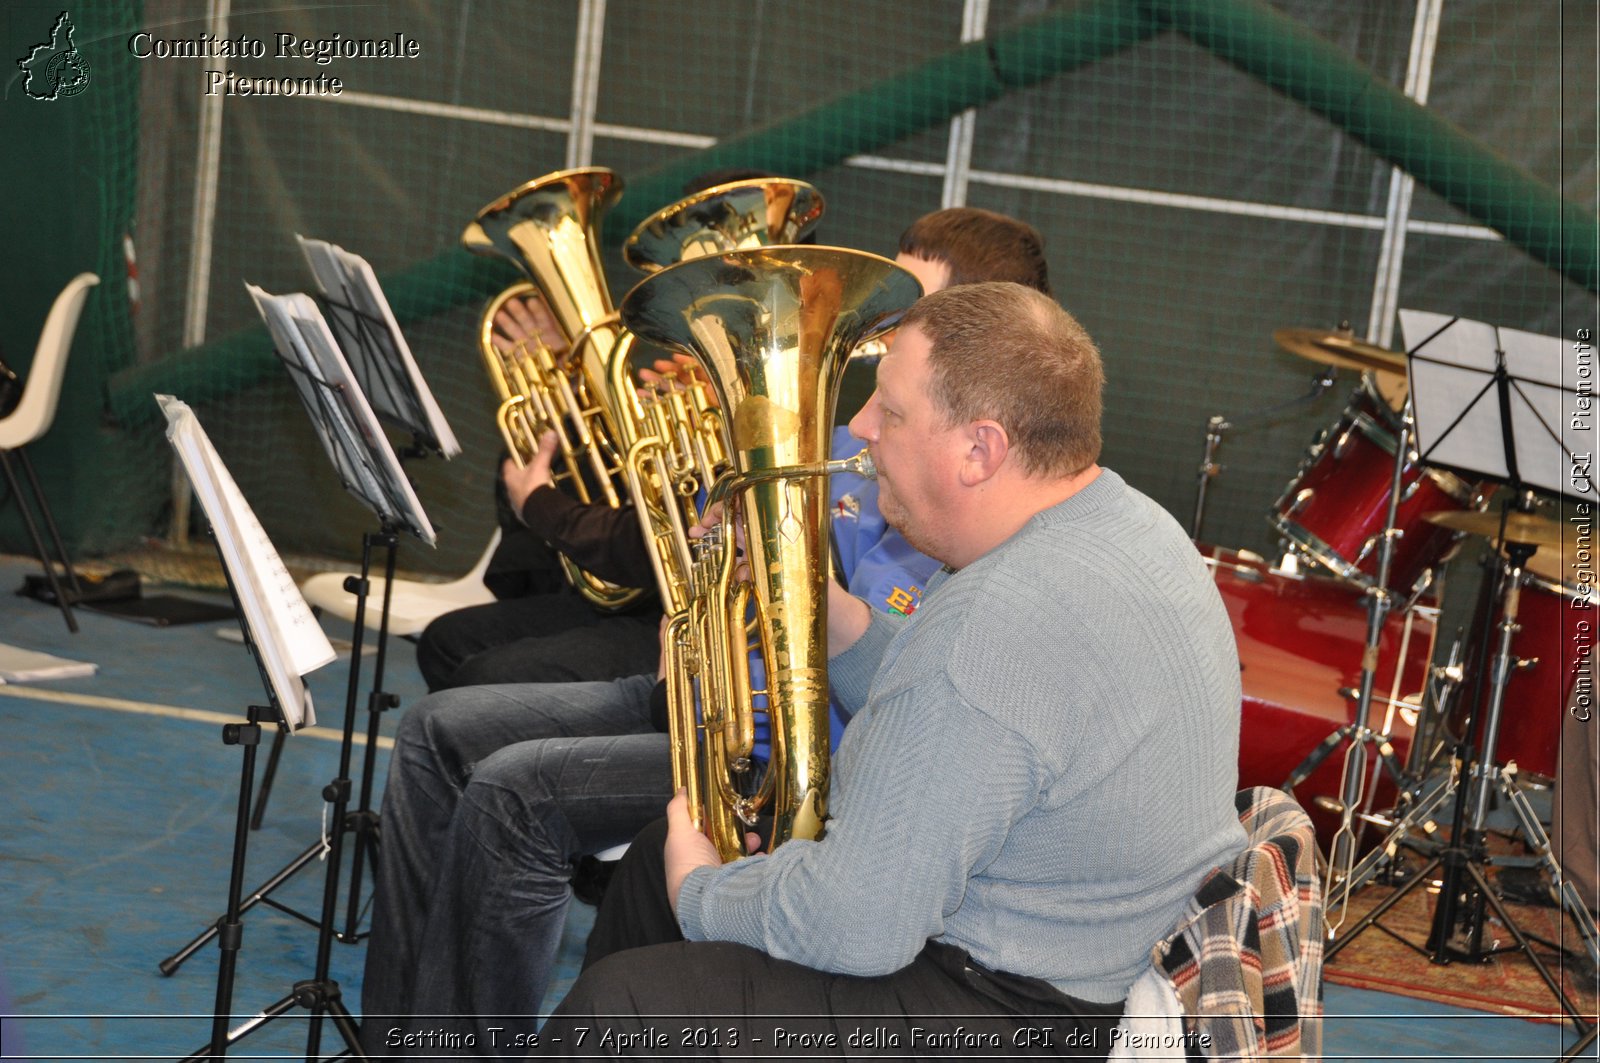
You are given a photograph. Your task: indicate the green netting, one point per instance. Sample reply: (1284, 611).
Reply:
(1204, 172)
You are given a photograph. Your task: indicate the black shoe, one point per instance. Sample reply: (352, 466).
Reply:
(590, 877)
(1526, 885)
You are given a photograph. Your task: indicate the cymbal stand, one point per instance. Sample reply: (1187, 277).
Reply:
(1457, 929)
(1208, 470)
(1358, 734)
(1218, 424)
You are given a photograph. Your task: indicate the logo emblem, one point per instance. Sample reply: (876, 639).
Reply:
(904, 601)
(55, 69)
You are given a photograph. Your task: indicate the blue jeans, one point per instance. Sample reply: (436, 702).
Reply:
(492, 792)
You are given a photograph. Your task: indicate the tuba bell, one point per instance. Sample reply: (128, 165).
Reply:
(757, 212)
(675, 436)
(549, 229)
(773, 328)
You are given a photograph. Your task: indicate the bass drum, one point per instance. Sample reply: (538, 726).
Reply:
(1301, 640)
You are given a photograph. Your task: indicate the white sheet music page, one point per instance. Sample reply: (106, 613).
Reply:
(297, 325)
(289, 639)
(343, 447)
(342, 275)
(1456, 400)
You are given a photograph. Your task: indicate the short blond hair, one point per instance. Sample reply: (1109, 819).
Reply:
(1004, 352)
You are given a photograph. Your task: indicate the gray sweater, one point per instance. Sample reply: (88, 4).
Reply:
(1041, 771)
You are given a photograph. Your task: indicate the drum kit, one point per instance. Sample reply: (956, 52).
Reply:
(1364, 508)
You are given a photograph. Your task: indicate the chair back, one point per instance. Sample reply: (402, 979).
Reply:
(1246, 959)
(476, 573)
(42, 389)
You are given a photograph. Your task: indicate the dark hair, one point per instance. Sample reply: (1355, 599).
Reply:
(1046, 388)
(979, 245)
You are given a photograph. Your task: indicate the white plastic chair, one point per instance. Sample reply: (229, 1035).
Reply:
(31, 419)
(413, 604)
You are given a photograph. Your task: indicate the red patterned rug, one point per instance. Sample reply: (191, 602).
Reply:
(1506, 984)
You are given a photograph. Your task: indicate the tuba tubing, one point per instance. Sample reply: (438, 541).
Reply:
(773, 328)
(549, 229)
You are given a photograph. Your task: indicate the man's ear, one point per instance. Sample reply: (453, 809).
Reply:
(987, 447)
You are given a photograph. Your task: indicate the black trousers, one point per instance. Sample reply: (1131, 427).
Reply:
(673, 998)
(543, 638)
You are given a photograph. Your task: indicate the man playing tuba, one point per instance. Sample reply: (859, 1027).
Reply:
(1041, 767)
(541, 630)
(494, 791)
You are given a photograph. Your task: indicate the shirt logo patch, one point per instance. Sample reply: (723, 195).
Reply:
(904, 601)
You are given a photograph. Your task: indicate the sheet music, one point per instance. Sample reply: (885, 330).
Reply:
(288, 639)
(359, 450)
(347, 277)
(1457, 405)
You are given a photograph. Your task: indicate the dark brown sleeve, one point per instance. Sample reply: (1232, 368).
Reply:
(600, 539)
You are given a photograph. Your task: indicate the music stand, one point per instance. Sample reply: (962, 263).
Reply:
(377, 351)
(369, 469)
(1490, 403)
(380, 361)
(286, 642)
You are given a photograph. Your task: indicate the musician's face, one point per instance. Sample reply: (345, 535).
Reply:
(917, 455)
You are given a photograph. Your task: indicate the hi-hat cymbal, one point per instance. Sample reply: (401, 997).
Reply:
(1337, 349)
(1520, 527)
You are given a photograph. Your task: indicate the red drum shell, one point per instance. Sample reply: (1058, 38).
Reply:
(1536, 695)
(1300, 642)
(1336, 507)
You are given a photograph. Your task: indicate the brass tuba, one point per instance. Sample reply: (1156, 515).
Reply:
(773, 328)
(549, 229)
(675, 437)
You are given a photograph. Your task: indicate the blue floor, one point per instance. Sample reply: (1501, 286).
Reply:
(119, 801)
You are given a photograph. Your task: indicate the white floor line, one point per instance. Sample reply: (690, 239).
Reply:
(171, 712)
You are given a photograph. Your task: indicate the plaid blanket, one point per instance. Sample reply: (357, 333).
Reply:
(1246, 958)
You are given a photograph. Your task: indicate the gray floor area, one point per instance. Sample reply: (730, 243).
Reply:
(119, 800)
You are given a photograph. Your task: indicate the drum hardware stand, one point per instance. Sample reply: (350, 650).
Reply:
(1463, 858)
(1423, 789)
(1218, 424)
(1358, 734)
(1426, 747)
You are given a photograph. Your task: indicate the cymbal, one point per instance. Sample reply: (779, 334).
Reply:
(1554, 563)
(1337, 349)
(1520, 527)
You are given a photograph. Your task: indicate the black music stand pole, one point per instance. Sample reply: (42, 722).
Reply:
(364, 821)
(230, 930)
